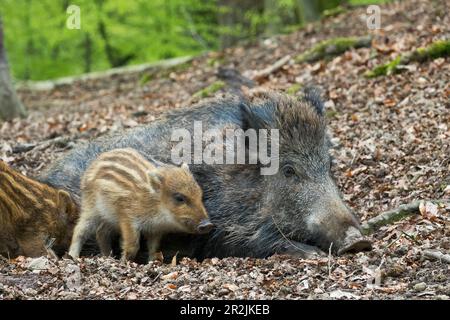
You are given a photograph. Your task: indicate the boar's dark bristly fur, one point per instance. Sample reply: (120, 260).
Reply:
(254, 215)
(252, 221)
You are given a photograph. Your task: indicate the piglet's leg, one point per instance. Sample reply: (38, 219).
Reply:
(130, 240)
(153, 241)
(84, 228)
(104, 239)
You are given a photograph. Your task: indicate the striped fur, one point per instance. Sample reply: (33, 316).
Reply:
(32, 214)
(122, 192)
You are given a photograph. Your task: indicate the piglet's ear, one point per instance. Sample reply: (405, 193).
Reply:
(65, 202)
(184, 166)
(155, 179)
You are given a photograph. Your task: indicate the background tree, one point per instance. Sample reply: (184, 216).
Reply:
(10, 106)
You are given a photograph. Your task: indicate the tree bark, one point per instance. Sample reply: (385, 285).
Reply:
(309, 10)
(232, 16)
(87, 44)
(10, 106)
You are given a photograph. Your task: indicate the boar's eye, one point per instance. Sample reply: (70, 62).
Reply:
(288, 171)
(179, 198)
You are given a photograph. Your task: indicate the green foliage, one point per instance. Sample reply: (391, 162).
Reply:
(40, 46)
(122, 32)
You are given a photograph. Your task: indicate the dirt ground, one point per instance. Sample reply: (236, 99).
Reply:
(392, 146)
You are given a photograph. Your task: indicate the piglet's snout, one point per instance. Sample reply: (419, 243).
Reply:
(205, 226)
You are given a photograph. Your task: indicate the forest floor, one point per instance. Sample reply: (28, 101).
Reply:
(392, 146)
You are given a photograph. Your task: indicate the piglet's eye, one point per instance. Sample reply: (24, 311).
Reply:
(179, 198)
(288, 171)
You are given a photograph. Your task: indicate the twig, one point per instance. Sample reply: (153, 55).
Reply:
(410, 237)
(61, 141)
(390, 244)
(272, 68)
(391, 216)
(48, 247)
(290, 242)
(436, 255)
(329, 260)
(157, 277)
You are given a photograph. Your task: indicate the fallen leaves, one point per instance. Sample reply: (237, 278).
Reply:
(391, 148)
(339, 294)
(170, 276)
(428, 210)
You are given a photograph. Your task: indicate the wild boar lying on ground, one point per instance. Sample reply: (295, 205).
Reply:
(291, 211)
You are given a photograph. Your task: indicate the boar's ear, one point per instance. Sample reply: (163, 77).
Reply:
(312, 96)
(155, 180)
(184, 166)
(254, 117)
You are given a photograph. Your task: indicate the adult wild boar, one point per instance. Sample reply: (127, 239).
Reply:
(293, 211)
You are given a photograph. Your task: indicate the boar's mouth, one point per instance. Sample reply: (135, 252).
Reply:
(352, 246)
(352, 242)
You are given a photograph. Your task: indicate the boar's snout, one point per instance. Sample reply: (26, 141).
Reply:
(354, 241)
(205, 226)
(335, 226)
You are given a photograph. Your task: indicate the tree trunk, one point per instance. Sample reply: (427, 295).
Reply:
(309, 10)
(232, 16)
(87, 43)
(10, 106)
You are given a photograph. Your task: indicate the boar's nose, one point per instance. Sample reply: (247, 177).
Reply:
(354, 241)
(205, 226)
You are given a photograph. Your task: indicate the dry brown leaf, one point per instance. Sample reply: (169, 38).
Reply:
(170, 276)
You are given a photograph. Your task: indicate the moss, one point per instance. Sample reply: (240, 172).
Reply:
(291, 28)
(147, 77)
(390, 217)
(334, 11)
(402, 214)
(333, 47)
(435, 50)
(384, 69)
(292, 90)
(215, 61)
(331, 114)
(209, 90)
(164, 73)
